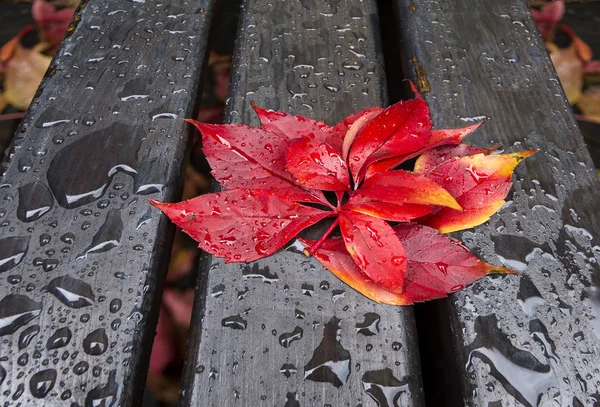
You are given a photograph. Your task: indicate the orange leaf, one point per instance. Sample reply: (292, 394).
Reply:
(437, 265)
(479, 183)
(396, 195)
(375, 248)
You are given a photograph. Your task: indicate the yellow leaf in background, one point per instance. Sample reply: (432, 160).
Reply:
(23, 73)
(569, 68)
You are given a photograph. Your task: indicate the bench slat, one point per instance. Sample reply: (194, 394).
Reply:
(261, 328)
(82, 254)
(535, 337)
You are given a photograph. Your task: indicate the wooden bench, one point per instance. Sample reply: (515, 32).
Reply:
(83, 255)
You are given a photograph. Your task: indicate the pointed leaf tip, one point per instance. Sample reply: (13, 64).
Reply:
(156, 203)
(414, 88)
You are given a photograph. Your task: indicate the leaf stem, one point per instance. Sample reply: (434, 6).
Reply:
(340, 196)
(319, 242)
(12, 116)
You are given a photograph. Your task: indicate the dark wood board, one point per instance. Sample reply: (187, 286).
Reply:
(320, 59)
(535, 338)
(82, 253)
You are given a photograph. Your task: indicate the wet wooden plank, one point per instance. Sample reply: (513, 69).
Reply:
(82, 255)
(535, 338)
(283, 330)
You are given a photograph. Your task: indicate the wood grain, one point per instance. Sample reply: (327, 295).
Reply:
(320, 59)
(82, 253)
(534, 338)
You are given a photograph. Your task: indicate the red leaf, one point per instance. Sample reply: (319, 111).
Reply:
(432, 158)
(317, 165)
(438, 138)
(388, 211)
(356, 127)
(241, 224)
(399, 196)
(342, 127)
(375, 249)
(52, 23)
(399, 129)
(247, 157)
(479, 183)
(292, 126)
(437, 265)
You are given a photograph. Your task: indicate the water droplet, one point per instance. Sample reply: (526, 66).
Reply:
(12, 251)
(398, 260)
(72, 292)
(39, 151)
(337, 295)
(255, 271)
(118, 143)
(307, 289)
(115, 305)
(370, 325)
(41, 383)
(103, 395)
(27, 335)
(49, 264)
(218, 290)
(51, 117)
(528, 296)
(58, 139)
(68, 238)
(242, 294)
(383, 387)
(540, 334)
(108, 236)
(287, 369)
(17, 310)
(96, 342)
(25, 164)
(330, 362)
(286, 339)
(521, 374)
(235, 322)
(2, 375)
(81, 367)
(291, 400)
(58, 339)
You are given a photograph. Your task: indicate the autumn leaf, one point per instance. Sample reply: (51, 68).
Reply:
(375, 248)
(246, 157)
(294, 172)
(293, 126)
(437, 265)
(241, 224)
(52, 23)
(479, 183)
(23, 70)
(400, 129)
(317, 165)
(438, 138)
(399, 196)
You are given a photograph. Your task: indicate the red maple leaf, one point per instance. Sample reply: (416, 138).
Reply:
(294, 172)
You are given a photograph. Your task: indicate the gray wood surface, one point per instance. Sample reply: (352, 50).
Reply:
(82, 255)
(532, 339)
(283, 330)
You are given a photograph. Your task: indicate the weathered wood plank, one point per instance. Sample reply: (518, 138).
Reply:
(283, 330)
(535, 338)
(82, 255)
